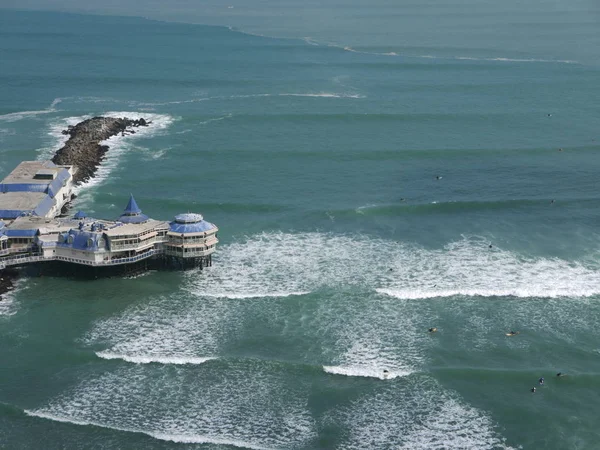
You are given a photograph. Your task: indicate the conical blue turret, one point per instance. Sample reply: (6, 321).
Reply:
(132, 213)
(132, 208)
(80, 215)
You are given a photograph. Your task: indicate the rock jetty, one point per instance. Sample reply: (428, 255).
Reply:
(83, 149)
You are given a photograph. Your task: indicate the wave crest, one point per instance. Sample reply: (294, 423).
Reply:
(369, 372)
(161, 359)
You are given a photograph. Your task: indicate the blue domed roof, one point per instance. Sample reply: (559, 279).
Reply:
(132, 213)
(80, 215)
(190, 223)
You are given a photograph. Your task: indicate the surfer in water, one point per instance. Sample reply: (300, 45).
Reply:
(432, 330)
(541, 380)
(513, 333)
(560, 374)
(386, 374)
(533, 390)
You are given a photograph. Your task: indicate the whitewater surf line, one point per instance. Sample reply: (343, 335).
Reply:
(180, 438)
(160, 359)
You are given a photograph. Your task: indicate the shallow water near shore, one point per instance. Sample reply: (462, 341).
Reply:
(339, 246)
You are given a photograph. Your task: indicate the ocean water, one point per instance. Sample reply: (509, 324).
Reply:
(314, 137)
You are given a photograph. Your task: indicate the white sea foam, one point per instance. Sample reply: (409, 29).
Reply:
(417, 414)
(16, 116)
(45, 415)
(179, 438)
(199, 439)
(150, 358)
(470, 268)
(377, 338)
(358, 266)
(167, 330)
(8, 302)
(249, 405)
(298, 263)
(453, 425)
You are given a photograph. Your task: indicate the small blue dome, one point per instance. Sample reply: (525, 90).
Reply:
(190, 223)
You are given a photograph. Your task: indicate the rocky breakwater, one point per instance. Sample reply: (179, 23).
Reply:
(84, 150)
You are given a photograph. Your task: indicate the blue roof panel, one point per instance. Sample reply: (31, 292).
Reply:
(44, 206)
(197, 227)
(20, 233)
(55, 185)
(138, 218)
(12, 213)
(23, 187)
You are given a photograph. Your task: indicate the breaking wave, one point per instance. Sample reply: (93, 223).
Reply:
(251, 406)
(179, 438)
(417, 414)
(358, 371)
(147, 359)
(8, 303)
(295, 264)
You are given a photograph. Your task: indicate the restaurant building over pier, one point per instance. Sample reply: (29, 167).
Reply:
(131, 242)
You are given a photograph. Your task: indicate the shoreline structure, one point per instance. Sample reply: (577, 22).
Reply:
(33, 232)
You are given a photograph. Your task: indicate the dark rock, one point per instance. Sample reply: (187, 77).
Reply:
(6, 281)
(83, 149)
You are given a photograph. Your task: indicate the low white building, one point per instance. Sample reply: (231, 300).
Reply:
(37, 188)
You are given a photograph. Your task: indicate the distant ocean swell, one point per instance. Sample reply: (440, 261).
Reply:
(16, 116)
(404, 53)
(408, 55)
(406, 207)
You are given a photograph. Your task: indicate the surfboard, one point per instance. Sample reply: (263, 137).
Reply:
(510, 334)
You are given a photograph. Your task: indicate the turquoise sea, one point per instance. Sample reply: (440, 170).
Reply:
(313, 135)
